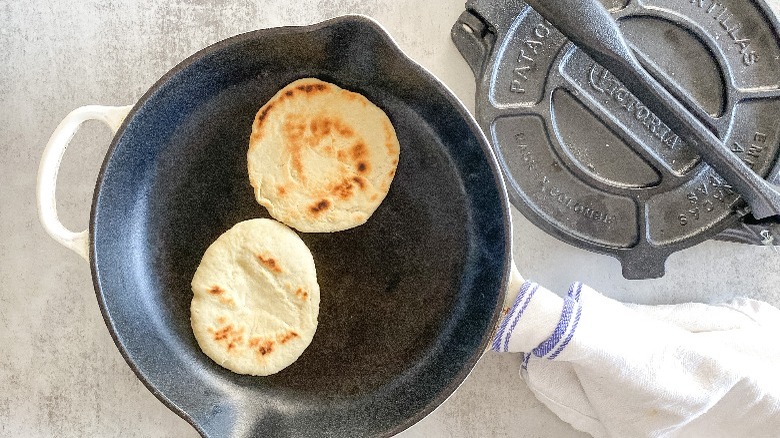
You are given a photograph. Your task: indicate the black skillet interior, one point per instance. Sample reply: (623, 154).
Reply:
(408, 299)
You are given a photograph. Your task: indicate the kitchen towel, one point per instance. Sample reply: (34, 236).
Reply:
(619, 370)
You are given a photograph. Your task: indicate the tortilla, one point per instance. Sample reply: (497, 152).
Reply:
(321, 158)
(256, 298)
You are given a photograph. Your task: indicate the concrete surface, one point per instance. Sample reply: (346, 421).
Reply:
(60, 373)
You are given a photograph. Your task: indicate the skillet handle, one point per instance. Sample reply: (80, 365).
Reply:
(50, 166)
(510, 295)
(515, 283)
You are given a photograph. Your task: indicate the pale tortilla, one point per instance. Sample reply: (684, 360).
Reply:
(256, 298)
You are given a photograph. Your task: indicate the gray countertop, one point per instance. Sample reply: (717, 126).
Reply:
(61, 374)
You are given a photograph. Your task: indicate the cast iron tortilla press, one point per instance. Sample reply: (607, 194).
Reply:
(589, 163)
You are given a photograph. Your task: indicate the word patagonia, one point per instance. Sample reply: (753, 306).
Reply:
(531, 48)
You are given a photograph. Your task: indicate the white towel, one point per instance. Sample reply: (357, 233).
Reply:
(622, 371)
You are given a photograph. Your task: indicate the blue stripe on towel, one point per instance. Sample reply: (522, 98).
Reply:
(526, 356)
(519, 314)
(500, 334)
(574, 290)
(570, 335)
(560, 329)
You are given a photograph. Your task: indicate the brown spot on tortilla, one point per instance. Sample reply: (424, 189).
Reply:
(223, 333)
(320, 126)
(319, 206)
(228, 336)
(238, 339)
(323, 125)
(216, 290)
(261, 346)
(221, 320)
(311, 88)
(391, 173)
(262, 114)
(287, 336)
(343, 190)
(362, 167)
(344, 130)
(359, 150)
(395, 162)
(269, 263)
(374, 197)
(289, 93)
(302, 294)
(280, 190)
(293, 130)
(360, 181)
(341, 155)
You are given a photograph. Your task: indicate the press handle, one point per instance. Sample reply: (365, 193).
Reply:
(112, 116)
(479, 27)
(474, 41)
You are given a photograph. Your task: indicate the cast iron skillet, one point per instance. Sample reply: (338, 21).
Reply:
(409, 299)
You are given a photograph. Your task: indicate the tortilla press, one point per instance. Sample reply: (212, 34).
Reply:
(589, 163)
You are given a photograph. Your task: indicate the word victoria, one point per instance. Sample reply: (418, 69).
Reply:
(601, 80)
